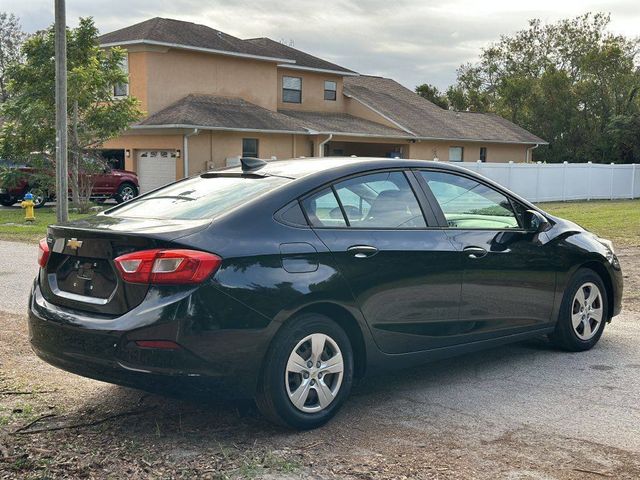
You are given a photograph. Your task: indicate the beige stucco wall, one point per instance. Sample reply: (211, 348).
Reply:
(312, 91)
(496, 152)
(211, 149)
(172, 74)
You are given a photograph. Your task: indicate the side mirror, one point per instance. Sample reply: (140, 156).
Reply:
(536, 222)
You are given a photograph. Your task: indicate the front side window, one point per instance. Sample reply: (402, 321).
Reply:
(455, 154)
(122, 89)
(250, 147)
(330, 89)
(469, 204)
(292, 89)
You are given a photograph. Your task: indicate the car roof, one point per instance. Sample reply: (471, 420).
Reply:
(304, 166)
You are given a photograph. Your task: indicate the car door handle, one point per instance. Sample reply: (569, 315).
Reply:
(475, 252)
(362, 251)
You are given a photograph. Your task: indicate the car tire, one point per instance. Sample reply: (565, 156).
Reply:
(39, 197)
(286, 378)
(127, 191)
(583, 313)
(7, 202)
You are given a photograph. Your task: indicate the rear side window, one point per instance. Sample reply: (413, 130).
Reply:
(468, 204)
(323, 209)
(379, 200)
(198, 198)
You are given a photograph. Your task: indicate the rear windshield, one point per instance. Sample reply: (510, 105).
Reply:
(198, 198)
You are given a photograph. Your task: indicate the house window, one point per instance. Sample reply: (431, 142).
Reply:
(250, 147)
(292, 89)
(122, 89)
(455, 154)
(483, 154)
(330, 89)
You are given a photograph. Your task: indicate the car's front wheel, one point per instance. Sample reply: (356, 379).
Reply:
(307, 374)
(583, 313)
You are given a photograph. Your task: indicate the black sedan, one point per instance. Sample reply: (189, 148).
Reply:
(285, 281)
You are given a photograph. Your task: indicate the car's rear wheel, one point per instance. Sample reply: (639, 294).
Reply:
(39, 197)
(126, 191)
(308, 373)
(583, 313)
(7, 202)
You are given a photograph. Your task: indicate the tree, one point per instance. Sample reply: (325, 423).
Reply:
(95, 115)
(11, 39)
(431, 93)
(566, 82)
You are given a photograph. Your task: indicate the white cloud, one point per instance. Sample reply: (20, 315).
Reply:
(413, 41)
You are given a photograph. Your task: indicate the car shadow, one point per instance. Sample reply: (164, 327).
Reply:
(194, 416)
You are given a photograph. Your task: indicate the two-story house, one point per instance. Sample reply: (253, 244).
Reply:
(210, 98)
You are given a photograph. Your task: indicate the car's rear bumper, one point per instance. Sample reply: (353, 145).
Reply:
(79, 344)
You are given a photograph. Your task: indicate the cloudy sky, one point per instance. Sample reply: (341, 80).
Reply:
(413, 41)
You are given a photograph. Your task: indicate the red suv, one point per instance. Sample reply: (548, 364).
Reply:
(122, 185)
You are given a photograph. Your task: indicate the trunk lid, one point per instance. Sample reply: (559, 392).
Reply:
(81, 274)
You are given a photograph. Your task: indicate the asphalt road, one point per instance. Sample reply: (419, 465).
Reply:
(521, 411)
(18, 268)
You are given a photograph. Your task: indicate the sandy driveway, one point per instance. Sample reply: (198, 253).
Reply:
(524, 411)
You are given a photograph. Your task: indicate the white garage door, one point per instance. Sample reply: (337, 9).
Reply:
(156, 168)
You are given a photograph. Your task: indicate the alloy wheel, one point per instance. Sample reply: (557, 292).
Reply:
(314, 373)
(586, 311)
(127, 193)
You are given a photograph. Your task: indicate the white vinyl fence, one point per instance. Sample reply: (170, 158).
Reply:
(544, 182)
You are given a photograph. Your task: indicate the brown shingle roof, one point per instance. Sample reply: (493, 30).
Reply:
(426, 120)
(186, 34)
(324, 122)
(277, 49)
(220, 113)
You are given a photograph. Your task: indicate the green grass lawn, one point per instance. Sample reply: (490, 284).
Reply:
(13, 227)
(617, 220)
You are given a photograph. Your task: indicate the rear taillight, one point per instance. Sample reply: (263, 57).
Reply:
(43, 252)
(177, 267)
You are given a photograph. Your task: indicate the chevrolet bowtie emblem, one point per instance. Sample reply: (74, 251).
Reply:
(74, 243)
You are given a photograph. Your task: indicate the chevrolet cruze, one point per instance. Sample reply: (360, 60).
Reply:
(285, 281)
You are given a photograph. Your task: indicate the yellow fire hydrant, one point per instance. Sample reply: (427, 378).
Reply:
(27, 204)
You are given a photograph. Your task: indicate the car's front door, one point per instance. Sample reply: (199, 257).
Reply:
(404, 276)
(509, 275)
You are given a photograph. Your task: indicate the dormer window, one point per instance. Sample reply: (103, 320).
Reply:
(330, 89)
(292, 89)
(122, 89)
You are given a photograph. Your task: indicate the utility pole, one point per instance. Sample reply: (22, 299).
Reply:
(62, 178)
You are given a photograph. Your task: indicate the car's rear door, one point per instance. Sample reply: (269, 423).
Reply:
(404, 275)
(509, 274)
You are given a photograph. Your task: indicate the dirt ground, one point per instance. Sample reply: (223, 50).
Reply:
(524, 411)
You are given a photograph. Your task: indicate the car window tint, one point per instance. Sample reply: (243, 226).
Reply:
(198, 197)
(380, 200)
(323, 210)
(470, 204)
